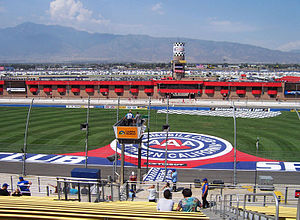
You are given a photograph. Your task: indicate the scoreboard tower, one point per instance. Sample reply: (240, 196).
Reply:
(178, 62)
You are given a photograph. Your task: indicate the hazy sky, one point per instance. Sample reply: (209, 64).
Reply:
(273, 24)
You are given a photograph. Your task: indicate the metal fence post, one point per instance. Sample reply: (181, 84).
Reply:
(11, 183)
(47, 189)
(264, 204)
(65, 190)
(237, 206)
(89, 194)
(98, 192)
(119, 191)
(244, 206)
(111, 191)
(79, 193)
(102, 189)
(157, 189)
(39, 183)
(224, 207)
(286, 195)
(58, 189)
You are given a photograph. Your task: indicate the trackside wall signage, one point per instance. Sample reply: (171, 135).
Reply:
(278, 166)
(37, 158)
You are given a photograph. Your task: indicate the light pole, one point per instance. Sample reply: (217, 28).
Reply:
(166, 128)
(117, 142)
(87, 132)
(149, 108)
(234, 163)
(255, 176)
(25, 139)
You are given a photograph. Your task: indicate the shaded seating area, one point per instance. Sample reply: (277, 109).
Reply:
(49, 208)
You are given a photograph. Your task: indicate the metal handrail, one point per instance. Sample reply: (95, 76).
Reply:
(237, 203)
(262, 194)
(223, 203)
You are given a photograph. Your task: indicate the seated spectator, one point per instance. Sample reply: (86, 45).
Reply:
(17, 193)
(84, 190)
(166, 203)
(3, 190)
(24, 186)
(152, 193)
(73, 191)
(188, 203)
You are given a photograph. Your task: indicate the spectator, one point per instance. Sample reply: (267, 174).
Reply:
(166, 203)
(152, 193)
(174, 179)
(133, 179)
(84, 190)
(166, 187)
(188, 203)
(129, 118)
(17, 193)
(3, 190)
(204, 193)
(138, 119)
(73, 191)
(24, 186)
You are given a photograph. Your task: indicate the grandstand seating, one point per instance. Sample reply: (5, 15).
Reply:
(284, 212)
(48, 208)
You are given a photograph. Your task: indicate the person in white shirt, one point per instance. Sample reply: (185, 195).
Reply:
(166, 203)
(129, 118)
(152, 193)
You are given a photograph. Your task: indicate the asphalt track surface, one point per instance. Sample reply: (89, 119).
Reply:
(184, 175)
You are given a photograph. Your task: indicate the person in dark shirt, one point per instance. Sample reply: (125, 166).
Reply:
(3, 190)
(129, 118)
(17, 192)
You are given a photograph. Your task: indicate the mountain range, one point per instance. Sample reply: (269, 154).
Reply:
(30, 42)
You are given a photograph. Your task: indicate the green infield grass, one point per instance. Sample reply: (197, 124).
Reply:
(57, 130)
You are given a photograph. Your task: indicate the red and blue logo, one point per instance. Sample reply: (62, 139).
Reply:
(181, 147)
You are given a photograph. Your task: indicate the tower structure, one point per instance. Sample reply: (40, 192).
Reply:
(178, 62)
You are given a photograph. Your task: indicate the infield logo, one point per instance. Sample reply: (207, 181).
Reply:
(181, 146)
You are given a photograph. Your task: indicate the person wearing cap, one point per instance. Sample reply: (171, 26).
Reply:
(24, 186)
(3, 190)
(174, 179)
(204, 193)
